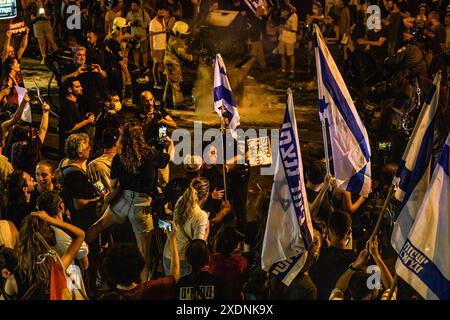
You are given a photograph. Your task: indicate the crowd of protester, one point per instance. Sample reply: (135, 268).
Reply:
(95, 214)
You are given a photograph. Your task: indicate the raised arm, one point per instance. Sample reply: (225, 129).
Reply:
(44, 122)
(23, 44)
(9, 123)
(76, 233)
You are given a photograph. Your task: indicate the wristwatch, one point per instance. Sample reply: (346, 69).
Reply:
(351, 267)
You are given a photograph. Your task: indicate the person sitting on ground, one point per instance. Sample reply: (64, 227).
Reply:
(36, 259)
(199, 284)
(123, 266)
(355, 278)
(339, 254)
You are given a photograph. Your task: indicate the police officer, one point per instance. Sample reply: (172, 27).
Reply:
(176, 53)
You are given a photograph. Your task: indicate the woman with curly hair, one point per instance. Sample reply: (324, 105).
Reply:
(36, 260)
(134, 173)
(191, 221)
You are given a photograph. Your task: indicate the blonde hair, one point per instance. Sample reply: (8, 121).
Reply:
(32, 246)
(195, 195)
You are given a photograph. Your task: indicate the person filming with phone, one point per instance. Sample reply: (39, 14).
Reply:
(91, 77)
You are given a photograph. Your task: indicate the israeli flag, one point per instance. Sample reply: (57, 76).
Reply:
(289, 231)
(223, 96)
(413, 174)
(348, 136)
(424, 259)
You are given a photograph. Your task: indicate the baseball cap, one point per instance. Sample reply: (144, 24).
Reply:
(192, 163)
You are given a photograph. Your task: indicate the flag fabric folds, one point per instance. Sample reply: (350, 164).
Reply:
(223, 95)
(348, 136)
(26, 114)
(424, 259)
(289, 231)
(413, 175)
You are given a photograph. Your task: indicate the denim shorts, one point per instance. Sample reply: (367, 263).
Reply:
(136, 207)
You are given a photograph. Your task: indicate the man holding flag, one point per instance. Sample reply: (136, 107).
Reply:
(289, 231)
(349, 140)
(236, 172)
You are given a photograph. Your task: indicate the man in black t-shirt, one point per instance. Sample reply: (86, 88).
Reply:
(333, 261)
(71, 120)
(155, 118)
(88, 77)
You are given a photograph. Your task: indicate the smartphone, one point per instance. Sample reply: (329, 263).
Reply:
(100, 187)
(384, 146)
(162, 132)
(347, 242)
(41, 11)
(164, 225)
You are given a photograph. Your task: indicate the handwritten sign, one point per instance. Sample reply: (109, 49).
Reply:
(259, 151)
(18, 27)
(8, 9)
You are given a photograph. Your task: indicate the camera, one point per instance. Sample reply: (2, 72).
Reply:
(89, 68)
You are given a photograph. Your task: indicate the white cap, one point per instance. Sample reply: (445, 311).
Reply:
(192, 163)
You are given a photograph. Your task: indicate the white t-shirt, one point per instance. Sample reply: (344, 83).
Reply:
(158, 41)
(292, 24)
(194, 228)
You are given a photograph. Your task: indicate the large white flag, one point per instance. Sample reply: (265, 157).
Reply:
(413, 174)
(289, 231)
(424, 259)
(348, 135)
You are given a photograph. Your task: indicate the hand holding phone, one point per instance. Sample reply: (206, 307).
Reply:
(166, 226)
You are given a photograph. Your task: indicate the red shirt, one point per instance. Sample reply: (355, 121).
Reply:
(232, 270)
(159, 289)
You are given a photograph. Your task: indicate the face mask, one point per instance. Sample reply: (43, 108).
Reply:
(117, 106)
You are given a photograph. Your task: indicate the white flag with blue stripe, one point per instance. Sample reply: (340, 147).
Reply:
(223, 95)
(348, 136)
(424, 259)
(289, 231)
(413, 175)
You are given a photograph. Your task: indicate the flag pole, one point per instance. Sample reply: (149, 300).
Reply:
(325, 146)
(392, 288)
(380, 217)
(224, 167)
(323, 120)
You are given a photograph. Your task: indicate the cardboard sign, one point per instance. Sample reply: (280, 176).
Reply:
(260, 153)
(17, 27)
(8, 9)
